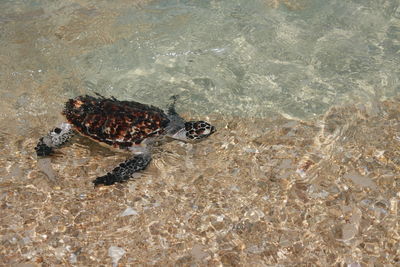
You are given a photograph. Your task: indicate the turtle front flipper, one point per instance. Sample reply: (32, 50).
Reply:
(54, 139)
(124, 170)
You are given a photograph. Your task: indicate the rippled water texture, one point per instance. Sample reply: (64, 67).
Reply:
(304, 168)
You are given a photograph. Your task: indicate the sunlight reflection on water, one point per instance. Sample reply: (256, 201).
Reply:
(303, 169)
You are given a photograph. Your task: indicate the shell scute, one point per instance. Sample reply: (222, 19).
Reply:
(118, 123)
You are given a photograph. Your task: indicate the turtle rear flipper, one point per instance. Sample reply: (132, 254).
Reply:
(54, 139)
(124, 170)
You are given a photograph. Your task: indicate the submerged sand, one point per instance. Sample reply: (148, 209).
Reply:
(259, 192)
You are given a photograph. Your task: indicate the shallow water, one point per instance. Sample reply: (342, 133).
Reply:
(304, 168)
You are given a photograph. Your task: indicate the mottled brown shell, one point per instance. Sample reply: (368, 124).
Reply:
(117, 123)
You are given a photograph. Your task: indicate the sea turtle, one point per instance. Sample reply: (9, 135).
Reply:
(125, 125)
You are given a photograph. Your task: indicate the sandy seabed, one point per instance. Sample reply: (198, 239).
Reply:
(259, 192)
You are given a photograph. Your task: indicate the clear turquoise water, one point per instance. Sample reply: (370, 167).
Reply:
(244, 58)
(228, 57)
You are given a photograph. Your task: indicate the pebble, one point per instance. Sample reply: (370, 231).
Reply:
(128, 211)
(116, 254)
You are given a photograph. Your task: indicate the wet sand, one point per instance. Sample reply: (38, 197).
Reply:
(259, 192)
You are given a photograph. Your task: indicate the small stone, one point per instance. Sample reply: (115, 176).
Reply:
(286, 164)
(59, 252)
(116, 254)
(250, 150)
(348, 231)
(360, 180)
(220, 218)
(128, 211)
(198, 252)
(73, 259)
(354, 264)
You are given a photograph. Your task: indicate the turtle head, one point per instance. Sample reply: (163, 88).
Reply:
(194, 131)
